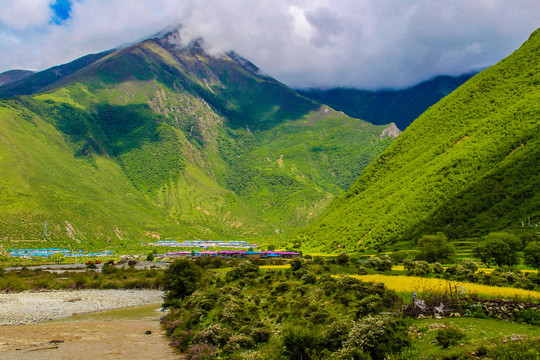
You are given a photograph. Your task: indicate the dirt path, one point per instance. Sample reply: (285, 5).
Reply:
(116, 334)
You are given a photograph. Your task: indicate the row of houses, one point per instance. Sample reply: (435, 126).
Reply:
(237, 254)
(204, 244)
(27, 253)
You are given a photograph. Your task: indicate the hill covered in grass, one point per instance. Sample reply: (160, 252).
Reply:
(385, 106)
(469, 165)
(162, 140)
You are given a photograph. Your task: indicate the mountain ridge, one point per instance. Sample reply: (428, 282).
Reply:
(401, 106)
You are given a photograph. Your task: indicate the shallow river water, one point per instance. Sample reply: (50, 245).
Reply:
(116, 334)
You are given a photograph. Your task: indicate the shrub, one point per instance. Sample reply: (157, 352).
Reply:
(520, 350)
(301, 343)
(296, 264)
(244, 269)
(342, 259)
(261, 334)
(382, 263)
(417, 268)
(214, 334)
(336, 333)
(476, 311)
(239, 341)
(201, 352)
(529, 316)
(378, 336)
(108, 269)
(449, 336)
(437, 268)
(181, 339)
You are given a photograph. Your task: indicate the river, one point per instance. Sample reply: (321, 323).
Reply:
(115, 334)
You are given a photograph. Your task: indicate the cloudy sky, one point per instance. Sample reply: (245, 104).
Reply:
(369, 44)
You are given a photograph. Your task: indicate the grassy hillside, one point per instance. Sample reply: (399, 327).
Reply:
(159, 141)
(468, 165)
(382, 107)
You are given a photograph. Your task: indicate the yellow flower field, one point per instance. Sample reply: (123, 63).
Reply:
(286, 266)
(424, 285)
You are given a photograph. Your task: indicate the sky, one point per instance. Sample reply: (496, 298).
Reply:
(366, 44)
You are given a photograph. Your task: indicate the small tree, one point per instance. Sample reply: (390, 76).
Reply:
(532, 255)
(342, 259)
(150, 256)
(501, 248)
(435, 248)
(180, 280)
(296, 264)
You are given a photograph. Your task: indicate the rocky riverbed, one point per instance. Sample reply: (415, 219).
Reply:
(34, 307)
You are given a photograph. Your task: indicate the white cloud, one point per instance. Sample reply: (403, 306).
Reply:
(359, 43)
(21, 14)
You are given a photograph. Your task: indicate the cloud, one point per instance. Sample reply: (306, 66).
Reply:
(355, 43)
(21, 14)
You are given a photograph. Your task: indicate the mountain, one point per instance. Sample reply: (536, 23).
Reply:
(13, 75)
(468, 166)
(382, 107)
(161, 140)
(31, 83)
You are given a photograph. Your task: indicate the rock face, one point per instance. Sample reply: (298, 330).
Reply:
(391, 131)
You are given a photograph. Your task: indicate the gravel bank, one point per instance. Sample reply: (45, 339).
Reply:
(33, 307)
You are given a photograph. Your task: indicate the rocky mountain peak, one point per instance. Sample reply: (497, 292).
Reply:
(390, 131)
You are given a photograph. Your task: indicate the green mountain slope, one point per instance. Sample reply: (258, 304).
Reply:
(382, 107)
(157, 140)
(468, 165)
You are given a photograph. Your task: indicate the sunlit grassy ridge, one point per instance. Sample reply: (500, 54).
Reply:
(420, 285)
(469, 165)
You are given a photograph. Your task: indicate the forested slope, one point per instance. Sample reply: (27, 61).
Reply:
(467, 166)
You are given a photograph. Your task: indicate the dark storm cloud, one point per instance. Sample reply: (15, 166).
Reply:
(357, 43)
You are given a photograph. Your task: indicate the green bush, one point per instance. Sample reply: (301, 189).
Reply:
(342, 259)
(520, 350)
(378, 336)
(382, 263)
(529, 316)
(301, 343)
(449, 337)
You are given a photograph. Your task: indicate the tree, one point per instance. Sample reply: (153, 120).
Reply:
(435, 248)
(501, 248)
(342, 259)
(150, 256)
(532, 255)
(180, 280)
